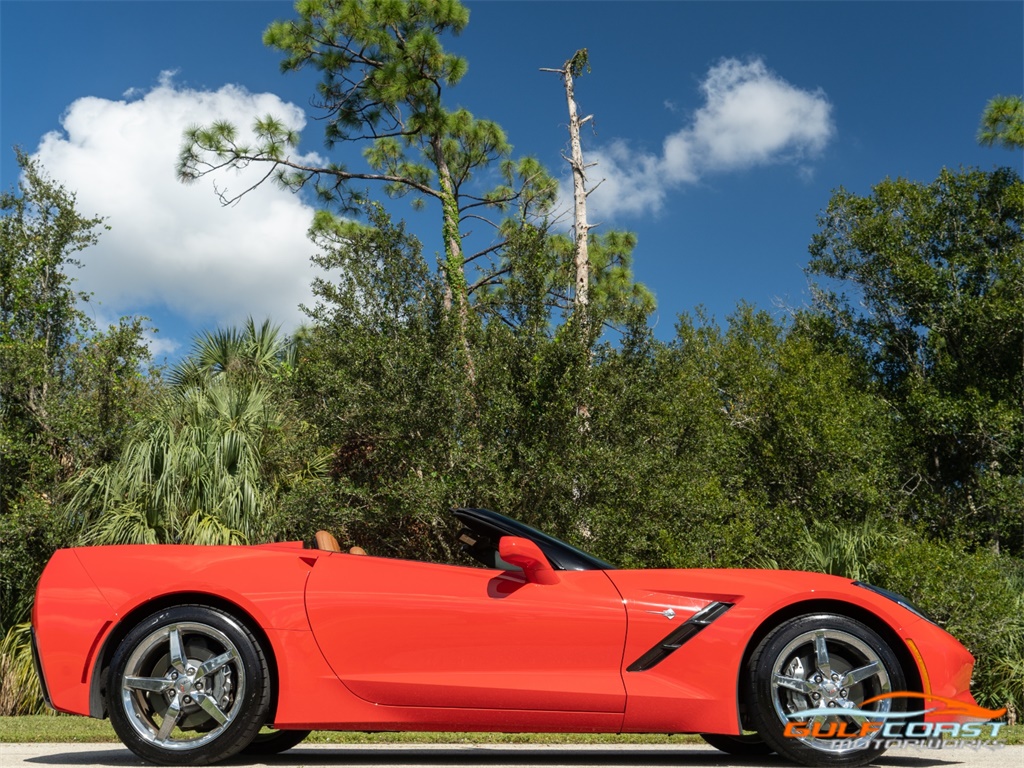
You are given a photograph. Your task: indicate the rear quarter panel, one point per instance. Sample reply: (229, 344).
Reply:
(268, 583)
(89, 596)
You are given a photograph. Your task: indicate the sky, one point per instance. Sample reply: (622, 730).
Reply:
(720, 131)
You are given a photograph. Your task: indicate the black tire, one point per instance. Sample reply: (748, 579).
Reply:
(189, 685)
(747, 745)
(827, 661)
(272, 742)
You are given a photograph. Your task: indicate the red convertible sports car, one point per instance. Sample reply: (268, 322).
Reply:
(194, 652)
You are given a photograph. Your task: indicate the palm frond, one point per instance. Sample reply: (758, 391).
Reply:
(20, 692)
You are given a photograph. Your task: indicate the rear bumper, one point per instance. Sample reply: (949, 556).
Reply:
(69, 621)
(39, 670)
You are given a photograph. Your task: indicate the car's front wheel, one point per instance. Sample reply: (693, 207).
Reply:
(814, 674)
(189, 686)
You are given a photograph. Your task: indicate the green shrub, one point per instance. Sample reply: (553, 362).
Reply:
(20, 692)
(972, 596)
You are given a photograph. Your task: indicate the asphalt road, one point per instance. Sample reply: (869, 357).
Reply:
(500, 756)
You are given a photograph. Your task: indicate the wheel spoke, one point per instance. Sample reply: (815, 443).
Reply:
(861, 674)
(154, 684)
(177, 648)
(818, 721)
(212, 665)
(793, 683)
(210, 707)
(858, 719)
(821, 653)
(170, 720)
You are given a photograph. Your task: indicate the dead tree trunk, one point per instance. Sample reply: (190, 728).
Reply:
(572, 69)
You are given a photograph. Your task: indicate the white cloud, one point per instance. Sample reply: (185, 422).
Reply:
(160, 347)
(750, 117)
(626, 179)
(173, 245)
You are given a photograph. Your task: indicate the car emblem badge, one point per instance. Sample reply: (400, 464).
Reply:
(668, 613)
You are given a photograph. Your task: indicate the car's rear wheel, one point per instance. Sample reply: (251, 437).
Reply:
(827, 666)
(189, 685)
(746, 745)
(270, 742)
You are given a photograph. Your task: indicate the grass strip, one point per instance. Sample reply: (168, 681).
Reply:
(63, 729)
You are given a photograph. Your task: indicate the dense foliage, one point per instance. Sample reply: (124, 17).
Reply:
(204, 465)
(927, 290)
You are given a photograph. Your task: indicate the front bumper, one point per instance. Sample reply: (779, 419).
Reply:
(945, 667)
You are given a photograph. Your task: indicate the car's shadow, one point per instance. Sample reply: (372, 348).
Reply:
(469, 755)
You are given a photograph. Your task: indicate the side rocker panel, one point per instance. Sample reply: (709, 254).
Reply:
(312, 697)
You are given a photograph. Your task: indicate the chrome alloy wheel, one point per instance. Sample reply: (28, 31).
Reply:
(830, 669)
(182, 685)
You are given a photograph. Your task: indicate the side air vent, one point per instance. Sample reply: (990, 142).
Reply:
(675, 639)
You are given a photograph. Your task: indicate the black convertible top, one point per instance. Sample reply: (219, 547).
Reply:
(490, 526)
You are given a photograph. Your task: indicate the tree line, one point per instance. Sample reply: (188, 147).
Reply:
(876, 433)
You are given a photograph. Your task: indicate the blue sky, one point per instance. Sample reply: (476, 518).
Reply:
(721, 129)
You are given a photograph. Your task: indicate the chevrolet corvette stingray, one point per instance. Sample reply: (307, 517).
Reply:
(200, 653)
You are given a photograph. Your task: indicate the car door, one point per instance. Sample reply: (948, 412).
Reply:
(413, 634)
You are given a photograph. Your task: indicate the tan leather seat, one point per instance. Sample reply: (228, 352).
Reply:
(327, 542)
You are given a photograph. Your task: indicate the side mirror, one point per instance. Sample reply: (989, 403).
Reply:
(525, 554)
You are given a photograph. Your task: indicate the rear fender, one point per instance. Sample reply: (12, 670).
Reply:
(70, 618)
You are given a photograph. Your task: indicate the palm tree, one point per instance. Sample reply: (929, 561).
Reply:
(197, 469)
(229, 352)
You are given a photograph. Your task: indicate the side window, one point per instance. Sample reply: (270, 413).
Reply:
(483, 548)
